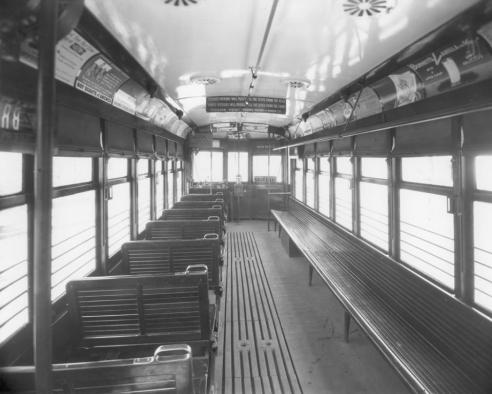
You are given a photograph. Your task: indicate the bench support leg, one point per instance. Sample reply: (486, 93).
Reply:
(310, 275)
(346, 326)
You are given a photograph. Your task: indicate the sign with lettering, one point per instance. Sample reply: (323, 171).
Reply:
(17, 115)
(270, 105)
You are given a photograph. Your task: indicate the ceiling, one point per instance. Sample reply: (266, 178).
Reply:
(315, 41)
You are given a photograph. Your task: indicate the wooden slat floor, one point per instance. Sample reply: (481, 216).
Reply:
(253, 355)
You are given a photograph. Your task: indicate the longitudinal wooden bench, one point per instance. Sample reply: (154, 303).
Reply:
(129, 316)
(183, 229)
(194, 214)
(165, 256)
(436, 343)
(170, 369)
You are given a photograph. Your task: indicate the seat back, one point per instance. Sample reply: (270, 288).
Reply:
(182, 229)
(166, 256)
(135, 310)
(170, 369)
(192, 213)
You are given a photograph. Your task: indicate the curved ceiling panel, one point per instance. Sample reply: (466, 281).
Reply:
(219, 41)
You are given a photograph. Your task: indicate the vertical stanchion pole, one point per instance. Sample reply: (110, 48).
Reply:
(42, 196)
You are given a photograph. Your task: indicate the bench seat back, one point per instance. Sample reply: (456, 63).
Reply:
(166, 256)
(199, 204)
(137, 310)
(170, 370)
(203, 197)
(182, 229)
(192, 213)
(454, 328)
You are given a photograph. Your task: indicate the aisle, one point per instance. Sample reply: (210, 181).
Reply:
(253, 353)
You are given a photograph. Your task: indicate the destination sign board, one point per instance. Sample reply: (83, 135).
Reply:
(270, 105)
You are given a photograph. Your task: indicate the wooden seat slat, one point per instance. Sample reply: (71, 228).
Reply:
(437, 343)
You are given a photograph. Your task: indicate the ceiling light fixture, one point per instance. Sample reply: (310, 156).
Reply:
(204, 80)
(298, 83)
(179, 2)
(368, 7)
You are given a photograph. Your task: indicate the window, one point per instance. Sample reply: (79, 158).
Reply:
(483, 254)
(343, 202)
(374, 225)
(11, 180)
(170, 184)
(118, 217)
(324, 186)
(261, 168)
(143, 203)
(237, 165)
(73, 240)
(71, 170)
(310, 174)
(427, 235)
(374, 167)
(13, 271)
(179, 184)
(343, 192)
(344, 165)
(159, 196)
(435, 170)
(117, 167)
(142, 167)
(483, 167)
(207, 167)
(299, 174)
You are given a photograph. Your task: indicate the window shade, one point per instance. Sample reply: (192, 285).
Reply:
(77, 131)
(119, 139)
(310, 150)
(343, 146)
(171, 148)
(323, 148)
(160, 146)
(145, 143)
(428, 138)
(478, 132)
(373, 144)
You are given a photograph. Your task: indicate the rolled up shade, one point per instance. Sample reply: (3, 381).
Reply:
(119, 140)
(373, 144)
(343, 146)
(477, 128)
(323, 148)
(145, 143)
(430, 138)
(171, 149)
(180, 151)
(310, 150)
(160, 146)
(77, 132)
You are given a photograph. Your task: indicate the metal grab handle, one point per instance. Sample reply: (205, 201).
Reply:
(211, 236)
(219, 200)
(196, 269)
(219, 194)
(214, 218)
(217, 206)
(179, 350)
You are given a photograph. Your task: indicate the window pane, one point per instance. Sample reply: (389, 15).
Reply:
(13, 271)
(299, 173)
(483, 169)
(310, 163)
(143, 203)
(142, 167)
(118, 217)
(483, 254)
(201, 167)
(179, 185)
(217, 167)
(374, 214)
(11, 177)
(73, 240)
(170, 188)
(427, 235)
(310, 188)
(159, 198)
(435, 170)
(324, 193)
(343, 203)
(260, 167)
(374, 167)
(237, 164)
(71, 170)
(324, 164)
(117, 167)
(158, 166)
(344, 165)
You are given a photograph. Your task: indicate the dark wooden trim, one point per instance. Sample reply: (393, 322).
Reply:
(63, 191)
(394, 173)
(482, 195)
(13, 200)
(133, 199)
(434, 189)
(43, 176)
(152, 190)
(98, 177)
(356, 168)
